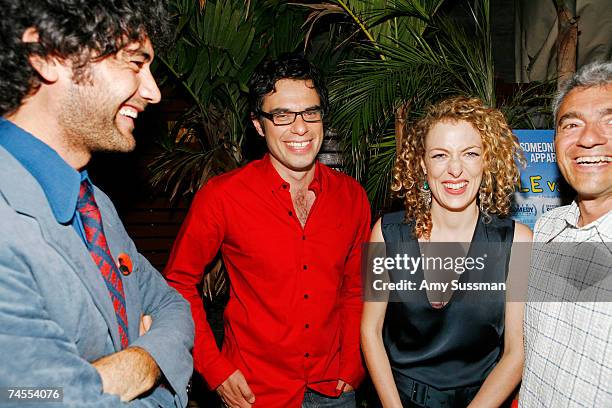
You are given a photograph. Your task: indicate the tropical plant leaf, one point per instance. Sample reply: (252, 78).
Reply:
(412, 57)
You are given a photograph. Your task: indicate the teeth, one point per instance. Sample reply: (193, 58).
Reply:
(298, 145)
(129, 112)
(593, 159)
(455, 186)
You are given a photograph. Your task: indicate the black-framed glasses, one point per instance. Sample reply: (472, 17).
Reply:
(287, 118)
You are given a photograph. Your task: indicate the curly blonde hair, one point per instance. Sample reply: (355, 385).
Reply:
(501, 152)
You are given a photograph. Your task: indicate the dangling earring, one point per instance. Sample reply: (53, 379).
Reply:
(483, 211)
(425, 193)
(481, 198)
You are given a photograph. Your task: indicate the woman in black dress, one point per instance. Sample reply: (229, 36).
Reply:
(456, 171)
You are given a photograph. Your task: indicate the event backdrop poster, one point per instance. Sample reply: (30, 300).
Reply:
(541, 188)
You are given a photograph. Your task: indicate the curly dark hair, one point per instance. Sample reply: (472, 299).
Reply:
(286, 66)
(80, 31)
(501, 153)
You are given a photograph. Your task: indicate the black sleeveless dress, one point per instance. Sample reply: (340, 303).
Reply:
(441, 357)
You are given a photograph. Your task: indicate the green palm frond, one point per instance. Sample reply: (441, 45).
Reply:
(377, 21)
(216, 50)
(381, 164)
(529, 106)
(418, 58)
(467, 57)
(366, 93)
(197, 148)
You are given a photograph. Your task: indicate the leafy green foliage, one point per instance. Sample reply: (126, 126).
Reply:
(387, 60)
(216, 50)
(405, 56)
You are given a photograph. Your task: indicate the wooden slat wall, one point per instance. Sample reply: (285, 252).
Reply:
(153, 225)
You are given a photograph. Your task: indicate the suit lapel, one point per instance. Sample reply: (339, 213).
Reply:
(68, 243)
(25, 195)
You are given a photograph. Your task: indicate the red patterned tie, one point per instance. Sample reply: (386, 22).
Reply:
(98, 248)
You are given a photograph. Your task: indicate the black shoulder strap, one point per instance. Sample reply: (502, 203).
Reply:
(395, 228)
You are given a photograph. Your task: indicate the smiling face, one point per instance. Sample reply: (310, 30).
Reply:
(453, 164)
(293, 148)
(583, 141)
(98, 114)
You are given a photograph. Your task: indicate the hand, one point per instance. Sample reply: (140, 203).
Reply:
(127, 373)
(145, 324)
(235, 391)
(344, 387)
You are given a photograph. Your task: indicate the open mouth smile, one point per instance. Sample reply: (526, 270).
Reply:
(592, 161)
(299, 147)
(129, 111)
(456, 188)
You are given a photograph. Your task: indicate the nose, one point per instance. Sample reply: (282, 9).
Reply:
(299, 126)
(593, 134)
(148, 87)
(455, 168)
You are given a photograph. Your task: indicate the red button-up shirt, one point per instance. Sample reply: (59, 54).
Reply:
(294, 311)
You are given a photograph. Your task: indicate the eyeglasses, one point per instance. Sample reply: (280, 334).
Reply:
(287, 118)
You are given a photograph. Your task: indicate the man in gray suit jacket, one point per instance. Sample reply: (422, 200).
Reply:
(81, 311)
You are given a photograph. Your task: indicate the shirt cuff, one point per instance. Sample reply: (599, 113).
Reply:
(215, 372)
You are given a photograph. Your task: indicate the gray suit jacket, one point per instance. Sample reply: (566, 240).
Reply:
(56, 316)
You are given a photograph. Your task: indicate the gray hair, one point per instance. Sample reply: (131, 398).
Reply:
(597, 73)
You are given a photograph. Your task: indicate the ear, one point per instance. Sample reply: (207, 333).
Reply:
(47, 68)
(258, 125)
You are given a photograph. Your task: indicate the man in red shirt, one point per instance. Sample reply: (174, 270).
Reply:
(290, 231)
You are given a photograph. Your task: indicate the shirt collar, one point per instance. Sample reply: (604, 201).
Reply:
(573, 214)
(278, 183)
(59, 181)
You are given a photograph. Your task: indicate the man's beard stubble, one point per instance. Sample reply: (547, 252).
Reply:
(88, 120)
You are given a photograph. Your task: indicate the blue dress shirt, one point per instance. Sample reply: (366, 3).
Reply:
(59, 181)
